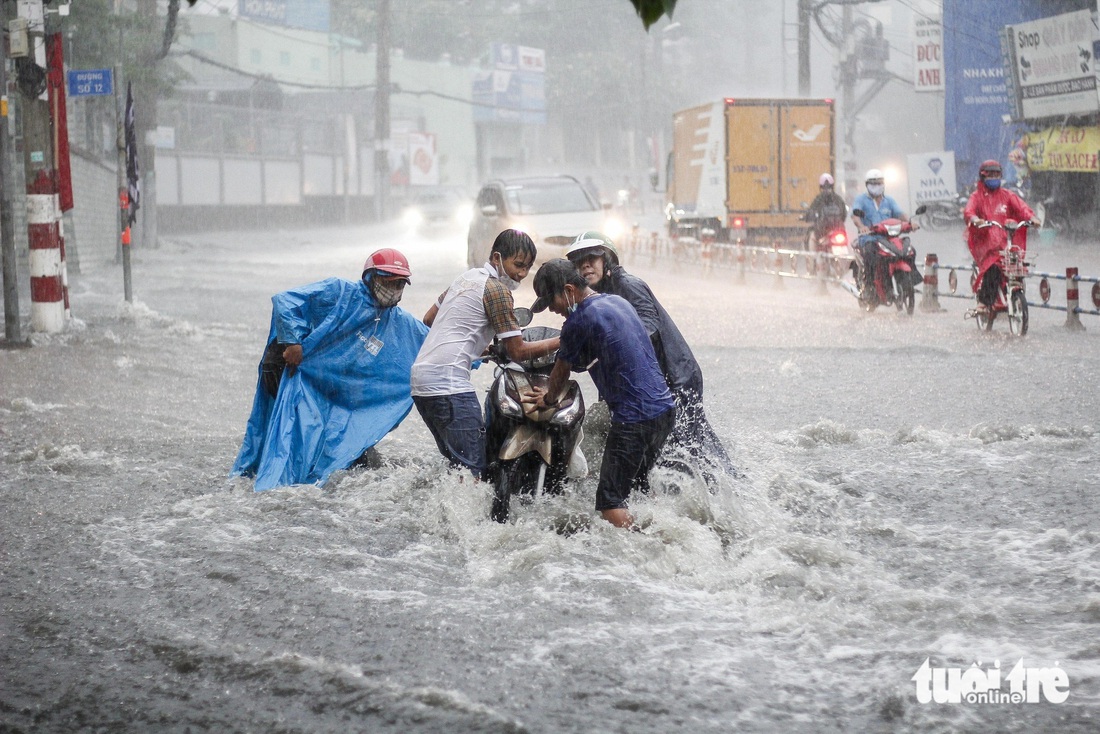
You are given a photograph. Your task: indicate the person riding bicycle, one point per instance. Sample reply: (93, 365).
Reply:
(873, 206)
(827, 211)
(991, 202)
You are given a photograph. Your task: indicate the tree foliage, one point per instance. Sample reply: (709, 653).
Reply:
(650, 11)
(103, 39)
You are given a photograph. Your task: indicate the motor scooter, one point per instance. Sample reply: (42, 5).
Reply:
(1011, 299)
(531, 450)
(896, 275)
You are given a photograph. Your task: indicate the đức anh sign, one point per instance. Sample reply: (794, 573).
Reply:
(90, 82)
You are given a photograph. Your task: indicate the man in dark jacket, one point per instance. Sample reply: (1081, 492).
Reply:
(596, 259)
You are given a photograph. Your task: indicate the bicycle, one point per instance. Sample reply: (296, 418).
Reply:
(1011, 299)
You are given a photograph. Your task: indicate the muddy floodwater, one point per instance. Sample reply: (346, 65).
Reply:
(919, 505)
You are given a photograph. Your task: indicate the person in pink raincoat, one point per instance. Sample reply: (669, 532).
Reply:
(992, 203)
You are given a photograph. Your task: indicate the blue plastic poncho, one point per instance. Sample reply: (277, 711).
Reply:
(351, 389)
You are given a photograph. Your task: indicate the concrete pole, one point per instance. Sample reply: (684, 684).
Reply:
(43, 209)
(12, 325)
(382, 113)
(804, 48)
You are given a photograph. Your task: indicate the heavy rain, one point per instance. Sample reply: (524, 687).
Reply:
(910, 541)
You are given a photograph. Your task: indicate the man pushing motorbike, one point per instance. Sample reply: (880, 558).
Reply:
(991, 202)
(596, 259)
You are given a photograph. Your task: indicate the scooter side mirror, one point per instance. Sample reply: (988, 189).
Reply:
(921, 209)
(524, 316)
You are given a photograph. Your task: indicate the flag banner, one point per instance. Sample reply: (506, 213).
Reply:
(132, 169)
(56, 89)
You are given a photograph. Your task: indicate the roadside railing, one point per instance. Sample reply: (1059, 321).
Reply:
(827, 268)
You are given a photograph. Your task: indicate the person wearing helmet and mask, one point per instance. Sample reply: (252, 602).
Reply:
(991, 202)
(827, 211)
(874, 206)
(596, 259)
(477, 307)
(334, 379)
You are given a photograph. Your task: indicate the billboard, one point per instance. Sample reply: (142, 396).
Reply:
(311, 15)
(931, 177)
(978, 108)
(514, 90)
(1052, 66)
(927, 54)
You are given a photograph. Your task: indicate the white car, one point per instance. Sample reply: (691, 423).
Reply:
(437, 209)
(553, 210)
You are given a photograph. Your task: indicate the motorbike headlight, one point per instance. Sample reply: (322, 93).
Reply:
(569, 413)
(893, 230)
(507, 399)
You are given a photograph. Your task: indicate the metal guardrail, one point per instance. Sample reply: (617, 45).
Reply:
(827, 268)
(741, 258)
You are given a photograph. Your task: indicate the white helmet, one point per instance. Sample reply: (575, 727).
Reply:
(873, 174)
(825, 180)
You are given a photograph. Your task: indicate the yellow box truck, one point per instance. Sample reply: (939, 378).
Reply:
(748, 168)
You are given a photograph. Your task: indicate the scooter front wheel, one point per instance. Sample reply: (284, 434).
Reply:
(906, 296)
(508, 478)
(1017, 317)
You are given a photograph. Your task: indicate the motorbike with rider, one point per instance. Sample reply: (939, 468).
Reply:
(870, 208)
(826, 215)
(991, 203)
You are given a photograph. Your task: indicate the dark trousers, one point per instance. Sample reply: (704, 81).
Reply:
(990, 286)
(458, 428)
(630, 452)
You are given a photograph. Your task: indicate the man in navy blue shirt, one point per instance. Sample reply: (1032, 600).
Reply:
(603, 334)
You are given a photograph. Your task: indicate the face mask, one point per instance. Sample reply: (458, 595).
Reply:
(876, 189)
(992, 183)
(386, 296)
(572, 307)
(504, 278)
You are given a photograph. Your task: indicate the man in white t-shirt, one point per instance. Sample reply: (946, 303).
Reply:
(475, 308)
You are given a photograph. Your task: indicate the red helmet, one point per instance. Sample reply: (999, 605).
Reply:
(390, 261)
(990, 169)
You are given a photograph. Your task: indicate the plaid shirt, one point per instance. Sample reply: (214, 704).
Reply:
(499, 307)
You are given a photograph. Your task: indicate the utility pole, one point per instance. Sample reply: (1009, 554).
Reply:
(12, 326)
(804, 47)
(47, 262)
(848, 78)
(382, 113)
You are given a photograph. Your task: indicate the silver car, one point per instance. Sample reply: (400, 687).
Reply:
(552, 209)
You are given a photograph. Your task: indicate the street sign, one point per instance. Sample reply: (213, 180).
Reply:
(90, 82)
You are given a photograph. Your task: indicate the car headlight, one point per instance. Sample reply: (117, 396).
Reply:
(464, 214)
(412, 217)
(614, 228)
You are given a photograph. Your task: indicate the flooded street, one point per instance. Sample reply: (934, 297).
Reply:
(915, 490)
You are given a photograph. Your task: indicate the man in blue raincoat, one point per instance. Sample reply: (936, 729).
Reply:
(335, 375)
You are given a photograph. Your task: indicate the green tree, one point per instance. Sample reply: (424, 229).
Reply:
(137, 41)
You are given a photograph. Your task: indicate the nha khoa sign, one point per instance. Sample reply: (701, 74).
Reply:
(931, 177)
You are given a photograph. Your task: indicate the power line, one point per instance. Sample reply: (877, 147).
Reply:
(395, 89)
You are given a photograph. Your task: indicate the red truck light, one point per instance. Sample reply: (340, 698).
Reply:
(737, 223)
